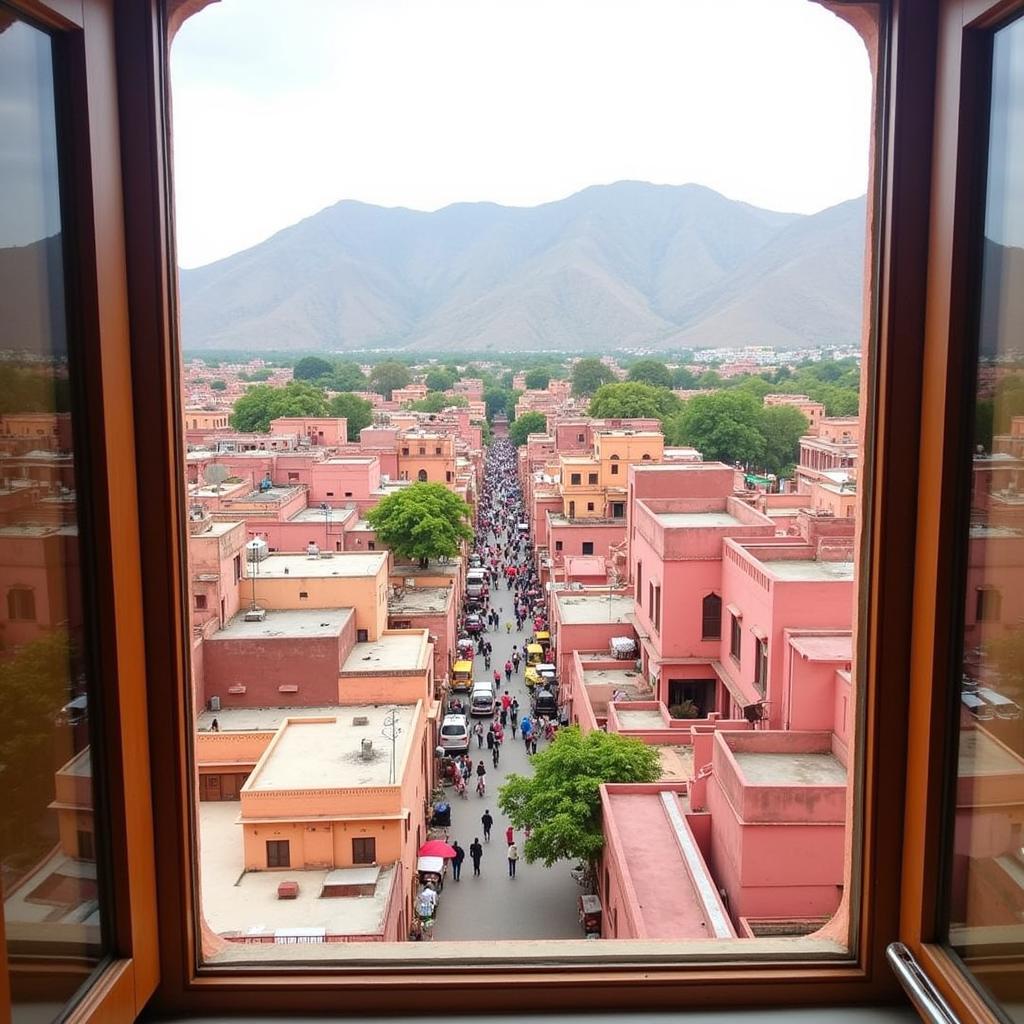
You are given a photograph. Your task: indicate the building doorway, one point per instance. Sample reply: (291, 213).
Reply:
(701, 692)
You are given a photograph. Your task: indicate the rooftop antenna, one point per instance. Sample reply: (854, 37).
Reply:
(326, 509)
(391, 731)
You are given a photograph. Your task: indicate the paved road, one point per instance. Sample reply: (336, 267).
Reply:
(540, 903)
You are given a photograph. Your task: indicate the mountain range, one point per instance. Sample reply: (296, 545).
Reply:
(622, 266)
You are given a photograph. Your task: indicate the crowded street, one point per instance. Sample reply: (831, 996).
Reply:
(538, 902)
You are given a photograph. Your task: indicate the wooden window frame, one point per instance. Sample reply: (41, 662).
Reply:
(899, 204)
(957, 152)
(714, 622)
(107, 447)
(372, 840)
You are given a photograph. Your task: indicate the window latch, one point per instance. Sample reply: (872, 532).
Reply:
(927, 999)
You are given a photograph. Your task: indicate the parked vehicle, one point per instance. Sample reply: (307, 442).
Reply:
(462, 675)
(534, 654)
(481, 702)
(545, 703)
(454, 735)
(544, 673)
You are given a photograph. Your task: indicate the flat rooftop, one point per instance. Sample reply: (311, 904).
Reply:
(327, 753)
(627, 679)
(236, 900)
(824, 648)
(579, 609)
(269, 496)
(422, 601)
(315, 515)
(979, 754)
(388, 653)
(696, 520)
(262, 719)
(311, 623)
(343, 564)
(434, 569)
(798, 569)
(647, 719)
(676, 762)
(790, 769)
(218, 528)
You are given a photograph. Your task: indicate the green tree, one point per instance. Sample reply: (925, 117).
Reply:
(709, 379)
(683, 378)
(423, 521)
(631, 399)
(499, 401)
(435, 402)
(588, 375)
(651, 371)
(753, 384)
(34, 680)
(218, 385)
(441, 379)
(257, 375)
(529, 423)
(347, 376)
(782, 427)
(561, 801)
(538, 379)
(387, 376)
(725, 426)
(263, 403)
(984, 420)
(311, 368)
(357, 411)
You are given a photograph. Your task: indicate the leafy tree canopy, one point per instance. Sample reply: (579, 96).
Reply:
(683, 378)
(218, 385)
(311, 368)
(709, 379)
(538, 379)
(499, 401)
(32, 389)
(528, 423)
(346, 376)
(651, 371)
(257, 375)
(435, 402)
(588, 375)
(561, 801)
(357, 411)
(263, 403)
(631, 399)
(782, 427)
(441, 379)
(387, 376)
(725, 426)
(423, 521)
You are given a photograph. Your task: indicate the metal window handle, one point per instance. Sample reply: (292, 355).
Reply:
(927, 999)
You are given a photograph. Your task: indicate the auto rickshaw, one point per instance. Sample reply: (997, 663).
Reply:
(541, 673)
(462, 676)
(543, 637)
(534, 654)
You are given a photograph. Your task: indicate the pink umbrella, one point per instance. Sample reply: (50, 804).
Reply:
(436, 848)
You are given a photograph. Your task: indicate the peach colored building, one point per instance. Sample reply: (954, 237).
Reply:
(426, 458)
(814, 412)
(331, 430)
(833, 448)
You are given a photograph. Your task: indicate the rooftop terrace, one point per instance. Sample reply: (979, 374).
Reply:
(390, 653)
(581, 609)
(341, 564)
(808, 569)
(324, 622)
(789, 768)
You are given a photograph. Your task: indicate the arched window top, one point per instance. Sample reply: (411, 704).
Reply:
(645, 457)
(615, 458)
(421, 476)
(711, 617)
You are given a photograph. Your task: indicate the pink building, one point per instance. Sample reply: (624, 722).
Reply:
(316, 430)
(813, 411)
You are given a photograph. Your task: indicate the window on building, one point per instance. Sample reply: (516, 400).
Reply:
(558, 545)
(364, 850)
(711, 618)
(581, 437)
(656, 616)
(423, 450)
(591, 478)
(437, 451)
(405, 451)
(421, 476)
(362, 636)
(590, 506)
(238, 568)
(348, 494)
(988, 604)
(639, 581)
(735, 636)
(371, 546)
(200, 602)
(615, 469)
(303, 595)
(448, 476)
(574, 478)
(588, 547)
(330, 494)
(618, 510)
(21, 604)
(761, 664)
(279, 853)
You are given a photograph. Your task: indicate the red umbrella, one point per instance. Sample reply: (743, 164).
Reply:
(436, 848)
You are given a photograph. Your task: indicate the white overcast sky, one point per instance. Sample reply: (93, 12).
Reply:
(283, 108)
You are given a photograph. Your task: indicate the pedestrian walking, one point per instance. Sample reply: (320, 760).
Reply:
(478, 731)
(513, 856)
(506, 701)
(476, 853)
(504, 716)
(487, 821)
(495, 754)
(490, 739)
(513, 711)
(460, 856)
(510, 835)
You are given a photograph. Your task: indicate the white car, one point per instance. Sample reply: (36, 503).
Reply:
(481, 702)
(454, 736)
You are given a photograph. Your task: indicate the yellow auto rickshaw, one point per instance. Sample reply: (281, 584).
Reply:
(534, 654)
(462, 676)
(543, 637)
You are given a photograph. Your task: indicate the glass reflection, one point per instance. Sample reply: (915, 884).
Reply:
(986, 901)
(47, 845)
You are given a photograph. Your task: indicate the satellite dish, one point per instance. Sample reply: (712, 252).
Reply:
(215, 474)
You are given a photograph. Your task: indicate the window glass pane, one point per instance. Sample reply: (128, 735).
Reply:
(986, 859)
(48, 837)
